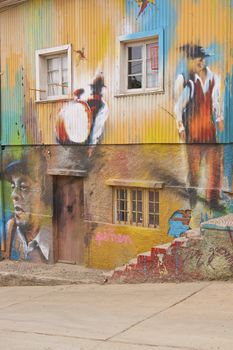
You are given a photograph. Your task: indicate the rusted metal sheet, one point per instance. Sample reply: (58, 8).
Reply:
(94, 28)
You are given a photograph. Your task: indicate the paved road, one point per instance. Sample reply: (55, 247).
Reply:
(185, 316)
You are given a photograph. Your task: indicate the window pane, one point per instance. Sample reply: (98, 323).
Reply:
(53, 76)
(135, 82)
(64, 76)
(152, 80)
(139, 206)
(134, 206)
(123, 216)
(53, 90)
(156, 196)
(53, 64)
(64, 90)
(151, 207)
(139, 218)
(151, 219)
(135, 67)
(152, 55)
(152, 65)
(134, 53)
(122, 194)
(156, 220)
(139, 193)
(134, 195)
(53, 81)
(151, 196)
(134, 217)
(123, 205)
(64, 62)
(65, 82)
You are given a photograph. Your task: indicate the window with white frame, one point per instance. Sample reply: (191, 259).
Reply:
(141, 62)
(53, 73)
(136, 206)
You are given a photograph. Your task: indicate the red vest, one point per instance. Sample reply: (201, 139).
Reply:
(200, 123)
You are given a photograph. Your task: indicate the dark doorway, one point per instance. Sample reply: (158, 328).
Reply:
(68, 219)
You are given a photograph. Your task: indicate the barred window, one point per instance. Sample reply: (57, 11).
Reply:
(136, 206)
(122, 205)
(153, 208)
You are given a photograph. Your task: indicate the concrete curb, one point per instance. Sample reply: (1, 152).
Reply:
(14, 279)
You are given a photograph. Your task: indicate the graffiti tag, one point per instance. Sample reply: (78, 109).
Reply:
(220, 251)
(198, 256)
(112, 237)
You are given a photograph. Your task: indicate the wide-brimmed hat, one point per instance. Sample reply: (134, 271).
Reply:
(16, 167)
(194, 51)
(27, 166)
(97, 84)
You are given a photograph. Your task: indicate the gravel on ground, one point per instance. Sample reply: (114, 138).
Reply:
(15, 273)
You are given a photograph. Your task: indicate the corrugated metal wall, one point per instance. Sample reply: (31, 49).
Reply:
(96, 25)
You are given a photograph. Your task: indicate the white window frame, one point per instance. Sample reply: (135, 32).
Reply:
(145, 207)
(42, 56)
(135, 39)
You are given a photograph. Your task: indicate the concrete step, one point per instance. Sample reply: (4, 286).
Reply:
(160, 262)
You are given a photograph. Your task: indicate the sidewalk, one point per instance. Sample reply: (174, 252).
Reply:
(20, 273)
(162, 316)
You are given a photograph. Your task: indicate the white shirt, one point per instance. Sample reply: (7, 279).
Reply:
(41, 240)
(183, 94)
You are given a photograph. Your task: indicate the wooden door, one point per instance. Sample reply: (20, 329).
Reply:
(68, 215)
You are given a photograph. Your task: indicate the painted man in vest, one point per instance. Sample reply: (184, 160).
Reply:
(198, 115)
(28, 238)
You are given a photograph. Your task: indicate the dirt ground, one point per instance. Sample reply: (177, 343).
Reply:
(15, 273)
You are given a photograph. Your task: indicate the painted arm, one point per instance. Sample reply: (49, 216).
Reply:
(181, 103)
(99, 123)
(216, 104)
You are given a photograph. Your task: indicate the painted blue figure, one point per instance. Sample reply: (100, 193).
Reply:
(179, 222)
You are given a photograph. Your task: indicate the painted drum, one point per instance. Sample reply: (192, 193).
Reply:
(74, 122)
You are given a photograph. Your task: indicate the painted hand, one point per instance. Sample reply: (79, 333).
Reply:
(182, 135)
(221, 125)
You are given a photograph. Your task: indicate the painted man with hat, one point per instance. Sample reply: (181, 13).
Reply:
(28, 238)
(198, 114)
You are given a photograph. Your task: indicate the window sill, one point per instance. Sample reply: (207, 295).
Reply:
(135, 183)
(157, 228)
(59, 99)
(139, 93)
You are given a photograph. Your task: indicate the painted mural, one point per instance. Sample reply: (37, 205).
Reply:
(176, 138)
(28, 231)
(199, 114)
(179, 223)
(143, 5)
(197, 109)
(82, 121)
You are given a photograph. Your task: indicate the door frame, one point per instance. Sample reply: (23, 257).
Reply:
(55, 173)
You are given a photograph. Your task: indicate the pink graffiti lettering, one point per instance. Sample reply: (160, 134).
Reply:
(112, 237)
